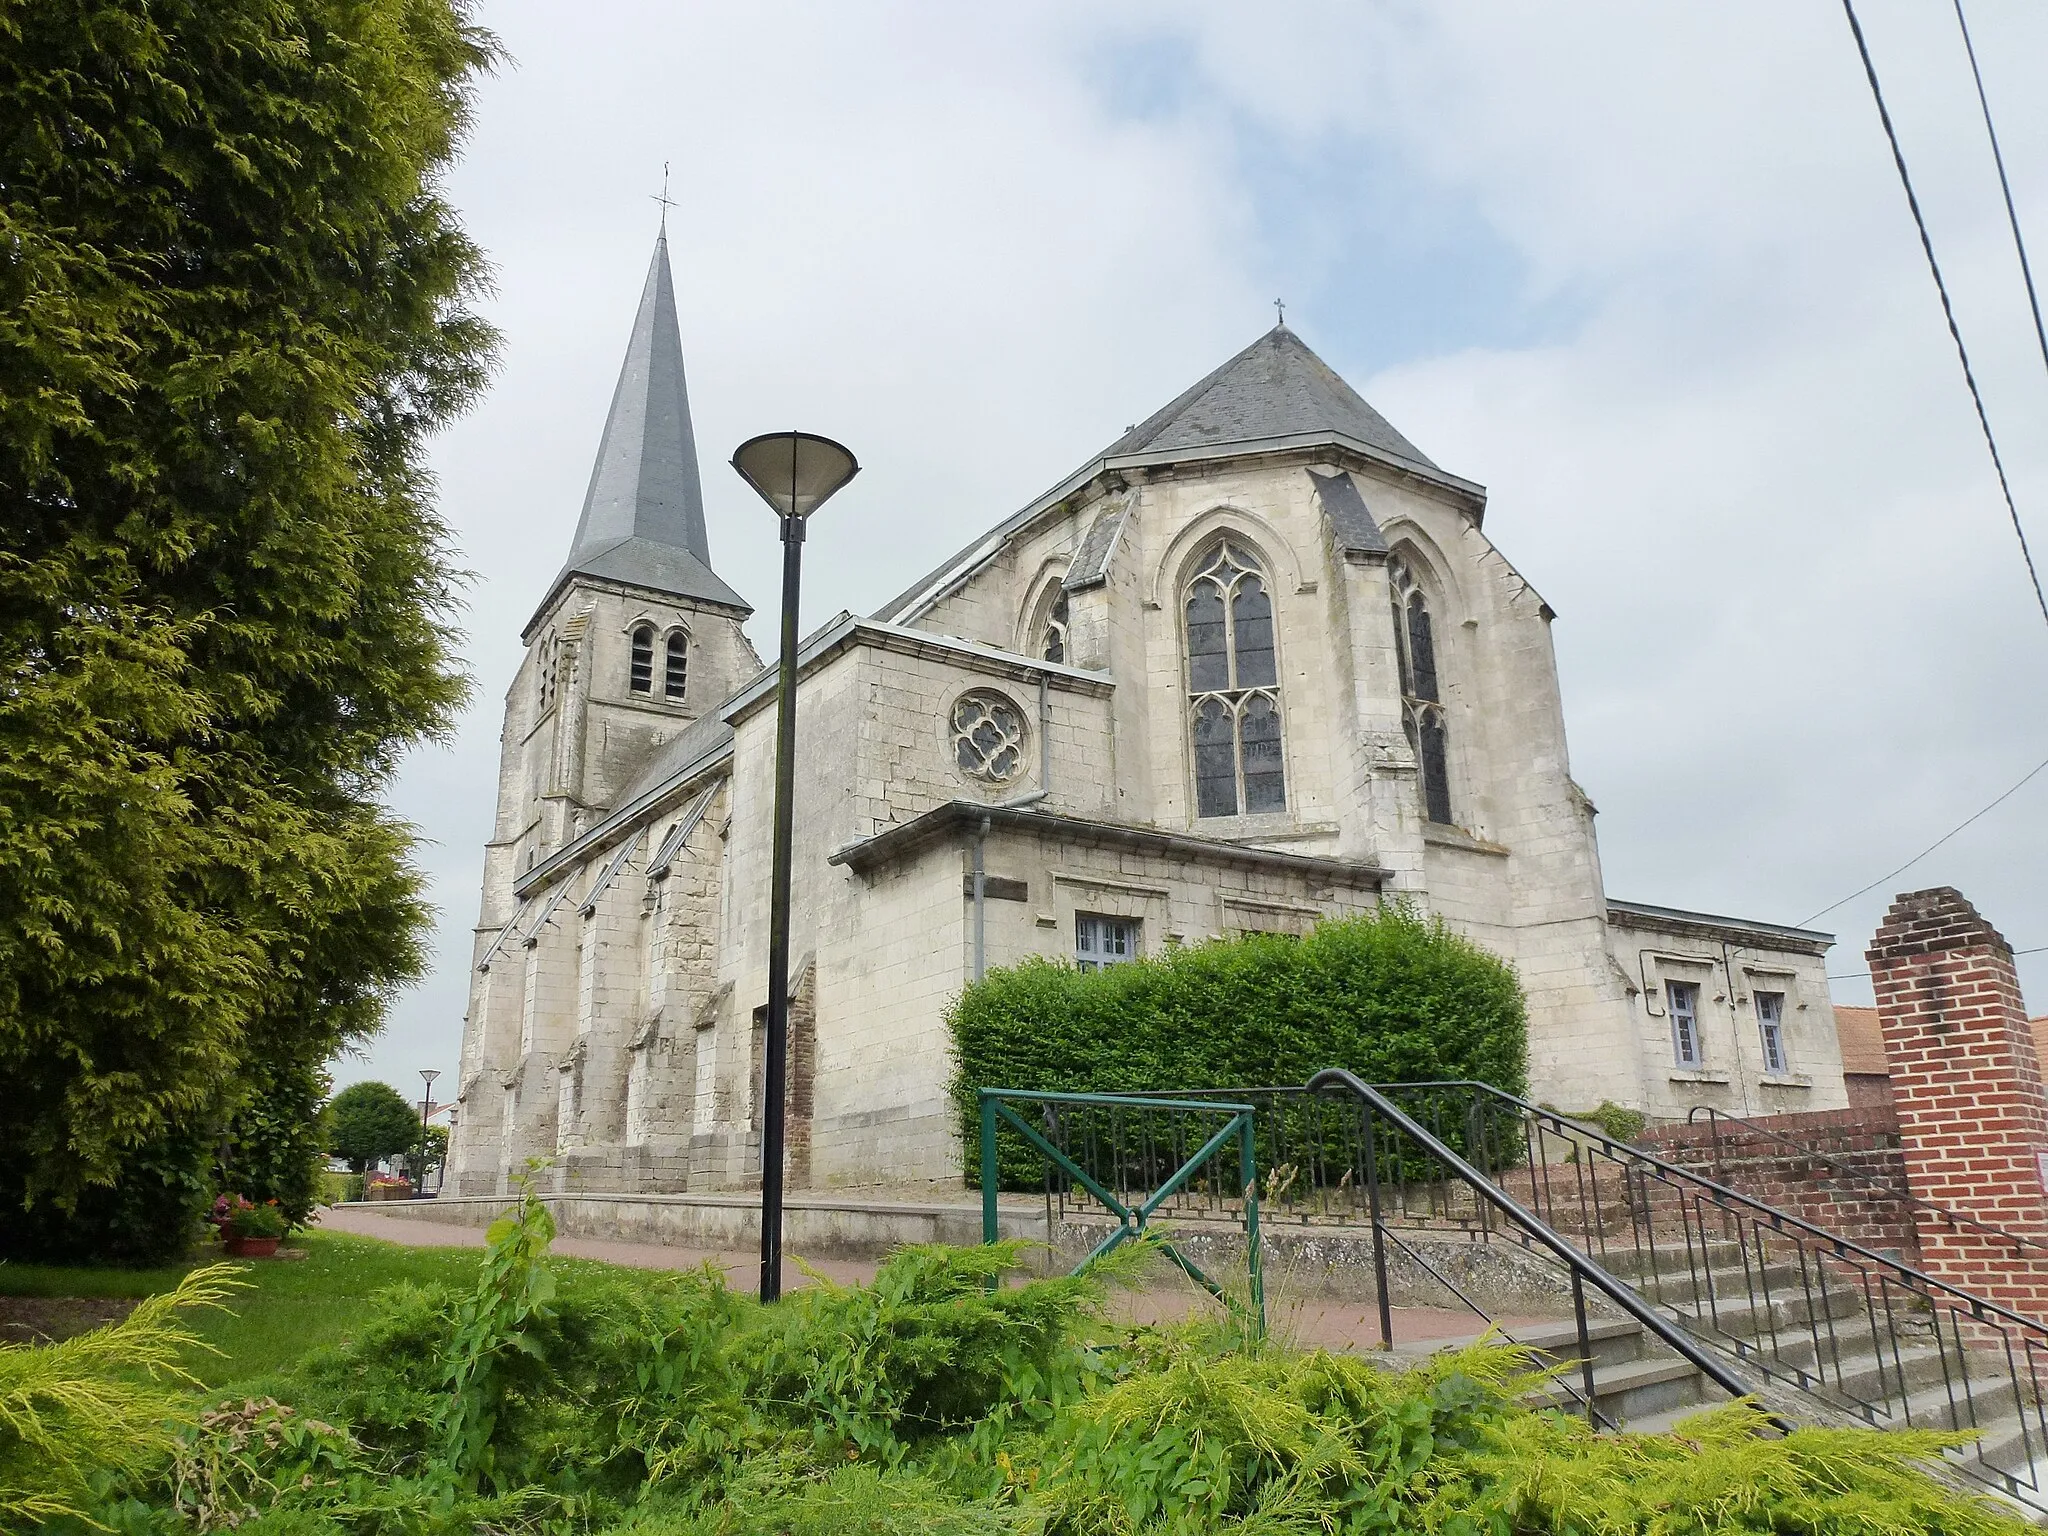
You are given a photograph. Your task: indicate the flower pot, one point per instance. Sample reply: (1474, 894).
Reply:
(250, 1247)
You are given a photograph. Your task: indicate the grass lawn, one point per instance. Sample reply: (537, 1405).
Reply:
(290, 1307)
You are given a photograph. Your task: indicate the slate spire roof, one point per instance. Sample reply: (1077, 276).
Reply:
(1274, 388)
(643, 516)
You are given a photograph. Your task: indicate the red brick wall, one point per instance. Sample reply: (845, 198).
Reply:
(1966, 1085)
(1861, 1197)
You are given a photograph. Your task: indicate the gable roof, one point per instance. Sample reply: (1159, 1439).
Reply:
(1275, 388)
(1274, 395)
(643, 515)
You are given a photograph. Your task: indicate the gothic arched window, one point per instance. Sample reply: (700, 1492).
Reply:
(1052, 636)
(642, 675)
(1233, 684)
(1422, 710)
(675, 667)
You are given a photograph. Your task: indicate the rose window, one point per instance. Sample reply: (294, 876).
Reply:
(988, 737)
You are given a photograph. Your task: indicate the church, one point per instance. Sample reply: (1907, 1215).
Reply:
(1255, 664)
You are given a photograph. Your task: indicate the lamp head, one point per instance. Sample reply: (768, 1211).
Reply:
(794, 472)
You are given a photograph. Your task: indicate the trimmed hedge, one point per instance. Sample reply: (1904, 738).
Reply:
(1392, 995)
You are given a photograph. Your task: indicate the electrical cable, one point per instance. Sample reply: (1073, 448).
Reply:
(2038, 949)
(1881, 879)
(1947, 309)
(2012, 216)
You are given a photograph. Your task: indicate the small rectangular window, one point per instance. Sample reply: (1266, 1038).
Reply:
(1682, 998)
(1100, 941)
(1770, 1023)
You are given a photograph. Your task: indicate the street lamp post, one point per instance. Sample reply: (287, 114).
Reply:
(795, 473)
(426, 1109)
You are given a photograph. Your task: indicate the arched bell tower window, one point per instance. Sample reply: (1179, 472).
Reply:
(675, 667)
(642, 673)
(1422, 710)
(1052, 638)
(1233, 684)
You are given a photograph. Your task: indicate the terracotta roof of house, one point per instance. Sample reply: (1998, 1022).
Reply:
(1862, 1040)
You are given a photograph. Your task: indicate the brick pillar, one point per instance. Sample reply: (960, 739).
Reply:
(1967, 1083)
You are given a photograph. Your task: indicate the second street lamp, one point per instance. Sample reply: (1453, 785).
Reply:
(795, 473)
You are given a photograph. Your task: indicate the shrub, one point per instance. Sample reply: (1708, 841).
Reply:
(1393, 996)
(247, 1220)
(558, 1398)
(149, 1215)
(103, 1404)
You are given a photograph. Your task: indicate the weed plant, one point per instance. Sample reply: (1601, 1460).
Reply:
(943, 1399)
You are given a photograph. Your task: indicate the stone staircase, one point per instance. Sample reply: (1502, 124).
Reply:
(1643, 1386)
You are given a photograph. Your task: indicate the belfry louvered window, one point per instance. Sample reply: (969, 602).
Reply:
(1422, 710)
(550, 666)
(642, 675)
(675, 667)
(1233, 684)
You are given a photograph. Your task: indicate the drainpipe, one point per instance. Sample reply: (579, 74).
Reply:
(980, 904)
(981, 831)
(1044, 731)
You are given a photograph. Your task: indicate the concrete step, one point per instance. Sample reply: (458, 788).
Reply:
(1632, 1390)
(1743, 1315)
(1610, 1340)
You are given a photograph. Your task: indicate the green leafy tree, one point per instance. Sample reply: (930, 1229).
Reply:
(233, 308)
(427, 1153)
(368, 1122)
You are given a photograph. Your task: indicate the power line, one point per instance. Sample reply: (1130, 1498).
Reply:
(1947, 309)
(2038, 949)
(2019, 240)
(1881, 879)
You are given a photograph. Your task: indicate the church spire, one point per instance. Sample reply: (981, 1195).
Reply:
(643, 515)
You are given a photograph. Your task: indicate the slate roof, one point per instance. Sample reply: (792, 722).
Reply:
(1274, 388)
(643, 515)
(1352, 520)
(1275, 391)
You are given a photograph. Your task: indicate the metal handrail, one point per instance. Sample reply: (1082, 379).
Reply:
(1584, 1270)
(1976, 1304)
(1904, 1196)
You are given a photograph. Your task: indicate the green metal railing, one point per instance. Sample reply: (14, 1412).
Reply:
(1158, 1160)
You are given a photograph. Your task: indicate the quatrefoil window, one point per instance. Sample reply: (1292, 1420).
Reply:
(988, 737)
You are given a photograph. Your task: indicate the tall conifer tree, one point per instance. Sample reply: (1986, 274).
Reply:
(233, 306)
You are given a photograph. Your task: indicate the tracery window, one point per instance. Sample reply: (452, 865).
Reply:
(988, 737)
(1052, 642)
(642, 675)
(1422, 710)
(1233, 684)
(675, 667)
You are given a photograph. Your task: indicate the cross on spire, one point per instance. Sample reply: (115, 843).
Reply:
(1280, 309)
(664, 199)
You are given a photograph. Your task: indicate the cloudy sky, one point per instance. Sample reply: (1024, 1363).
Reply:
(1645, 271)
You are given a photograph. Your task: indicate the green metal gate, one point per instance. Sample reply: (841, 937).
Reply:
(1134, 1217)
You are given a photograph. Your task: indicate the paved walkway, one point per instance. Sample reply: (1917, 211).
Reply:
(1315, 1321)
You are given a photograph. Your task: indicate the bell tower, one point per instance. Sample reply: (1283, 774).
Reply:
(634, 641)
